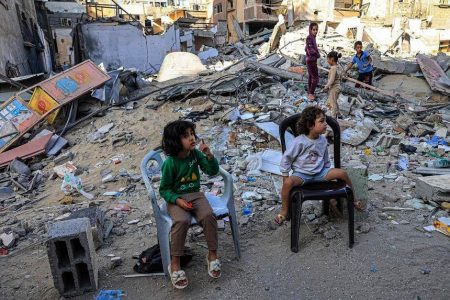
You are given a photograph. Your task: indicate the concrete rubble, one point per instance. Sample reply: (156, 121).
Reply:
(239, 93)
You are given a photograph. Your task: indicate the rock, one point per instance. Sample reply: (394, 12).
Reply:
(105, 128)
(320, 221)
(251, 196)
(383, 216)
(421, 218)
(311, 217)
(243, 220)
(415, 203)
(12, 220)
(36, 167)
(65, 157)
(119, 231)
(233, 152)
(404, 222)
(221, 225)
(132, 222)
(330, 234)
(242, 164)
(394, 150)
(8, 239)
(20, 231)
(271, 225)
(115, 262)
(363, 228)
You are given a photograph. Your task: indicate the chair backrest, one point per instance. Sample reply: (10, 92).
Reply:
(154, 155)
(290, 122)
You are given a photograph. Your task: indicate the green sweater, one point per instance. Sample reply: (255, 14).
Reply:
(181, 176)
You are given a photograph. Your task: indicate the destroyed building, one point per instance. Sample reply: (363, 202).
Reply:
(57, 20)
(23, 50)
(75, 215)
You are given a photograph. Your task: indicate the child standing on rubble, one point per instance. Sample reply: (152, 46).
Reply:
(334, 83)
(312, 55)
(180, 187)
(364, 62)
(308, 158)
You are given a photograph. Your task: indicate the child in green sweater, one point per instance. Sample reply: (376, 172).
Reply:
(180, 187)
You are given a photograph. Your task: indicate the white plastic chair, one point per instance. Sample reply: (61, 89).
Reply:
(222, 206)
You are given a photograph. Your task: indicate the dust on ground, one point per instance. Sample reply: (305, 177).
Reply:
(392, 260)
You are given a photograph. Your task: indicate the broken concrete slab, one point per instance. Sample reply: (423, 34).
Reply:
(435, 188)
(356, 136)
(358, 173)
(435, 76)
(387, 141)
(7, 239)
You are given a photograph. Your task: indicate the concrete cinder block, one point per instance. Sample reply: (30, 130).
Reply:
(97, 218)
(434, 188)
(71, 254)
(358, 174)
(387, 141)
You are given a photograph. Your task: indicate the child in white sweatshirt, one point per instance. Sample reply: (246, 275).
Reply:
(308, 158)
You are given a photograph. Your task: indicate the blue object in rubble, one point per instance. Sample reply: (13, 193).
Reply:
(110, 295)
(436, 140)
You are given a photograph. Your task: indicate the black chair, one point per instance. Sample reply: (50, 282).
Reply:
(318, 190)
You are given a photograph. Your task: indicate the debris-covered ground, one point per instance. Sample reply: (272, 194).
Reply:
(395, 133)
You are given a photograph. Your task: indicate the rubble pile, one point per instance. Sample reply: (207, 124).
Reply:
(239, 99)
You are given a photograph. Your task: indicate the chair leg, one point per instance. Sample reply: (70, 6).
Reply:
(296, 214)
(351, 218)
(326, 207)
(235, 234)
(164, 244)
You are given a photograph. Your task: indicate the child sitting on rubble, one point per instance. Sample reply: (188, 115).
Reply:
(180, 187)
(364, 62)
(308, 158)
(334, 83)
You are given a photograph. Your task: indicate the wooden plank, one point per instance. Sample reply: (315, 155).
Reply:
(25, 151)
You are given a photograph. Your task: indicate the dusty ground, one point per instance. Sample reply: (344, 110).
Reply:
(387, 262)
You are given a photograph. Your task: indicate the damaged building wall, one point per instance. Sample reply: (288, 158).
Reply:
(126, 45)
(18, 21)
(313, 9)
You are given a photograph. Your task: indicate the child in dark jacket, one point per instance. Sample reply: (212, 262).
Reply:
(312, 55)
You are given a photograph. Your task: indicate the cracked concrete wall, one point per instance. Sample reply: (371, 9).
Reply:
(12, 43)
(126, 45)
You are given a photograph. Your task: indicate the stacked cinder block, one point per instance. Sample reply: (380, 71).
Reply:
(72, 258)
(97, 218)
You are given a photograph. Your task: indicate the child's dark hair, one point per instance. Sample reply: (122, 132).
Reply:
(308, 119)
(357, 43)
(171, 141)
(312, 25)
(334, 55)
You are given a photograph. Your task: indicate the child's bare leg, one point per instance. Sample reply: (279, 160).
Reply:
(175, 263)
(288, 184)
(342, 175)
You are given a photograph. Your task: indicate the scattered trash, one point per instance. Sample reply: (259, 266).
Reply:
(71, 183)
(110, 295)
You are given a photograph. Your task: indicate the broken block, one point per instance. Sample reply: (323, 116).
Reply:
(96, 217)
(358, 174)
(435, 188)
(71, 254)
(387, 141)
